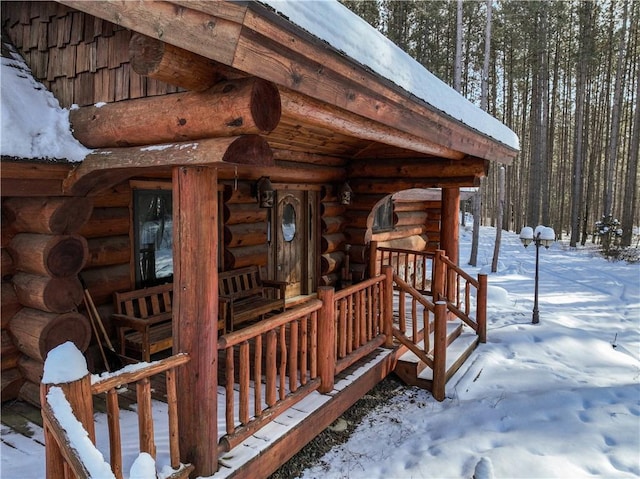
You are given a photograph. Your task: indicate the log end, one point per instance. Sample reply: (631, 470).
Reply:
(249, 150)
(68, 256)
(266, 106)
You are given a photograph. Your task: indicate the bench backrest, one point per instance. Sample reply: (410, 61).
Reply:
(146, 302)
(240, 282)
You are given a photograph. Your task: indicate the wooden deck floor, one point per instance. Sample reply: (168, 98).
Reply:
(22, 424)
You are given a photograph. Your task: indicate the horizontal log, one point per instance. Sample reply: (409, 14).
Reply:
(55, 295)
(305, 109)
(245, 234)
(257, 255)
(32, 178)
(164, 62)
(107, 222)
(399, 206)
(400, 232)
(359, 219)
(8, 267)
(9, 351)
(37, 332)
(331, 262)
(31, 369)
(103, 282)
(329, 279)
(331, 243)
(331, 208)
(405, 218)
(412, 242)
(332, 224)
(105, 168)
(118, 196)
(365, 202)
(12, 381)
(108, 251)
(48, 215)
(58, 256)
(418, 168)
(228, 109)
(391, 186)
(30, 392)
(234, 214)
(240, 192)
(10, 304)
(304, 157)
(283, 172)
(358, 236)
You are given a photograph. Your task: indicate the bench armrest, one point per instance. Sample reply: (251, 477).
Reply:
(280, 285)
(139, 324)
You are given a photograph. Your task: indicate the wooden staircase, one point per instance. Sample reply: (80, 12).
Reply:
(460, 345)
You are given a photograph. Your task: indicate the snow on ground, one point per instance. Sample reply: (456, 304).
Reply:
(560, 399)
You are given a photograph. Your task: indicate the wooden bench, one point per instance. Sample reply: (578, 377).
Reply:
(245, 296)
(143, 320)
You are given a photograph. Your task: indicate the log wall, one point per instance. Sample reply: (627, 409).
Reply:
(80, 62)
(42, 254)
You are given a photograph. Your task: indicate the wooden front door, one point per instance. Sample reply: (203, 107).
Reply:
(294, 243)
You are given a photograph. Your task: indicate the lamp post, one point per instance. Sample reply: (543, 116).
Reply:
(542, 236)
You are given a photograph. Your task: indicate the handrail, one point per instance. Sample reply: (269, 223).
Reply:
(410, 265)
(79, 394)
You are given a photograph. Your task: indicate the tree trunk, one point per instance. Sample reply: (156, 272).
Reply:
(496, 247)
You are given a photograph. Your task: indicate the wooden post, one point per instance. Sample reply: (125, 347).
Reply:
(440, 351)
(326, 339)
(387, 307)
(439, 275)
(195, 313)
(481, 308)
(449, 233)
(373, 258)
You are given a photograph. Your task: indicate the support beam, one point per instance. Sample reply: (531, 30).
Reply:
(195, 313)
(449, 231)
(167, 63)
(389, 186)
(105, 168)
(230, 108)
(418, 168)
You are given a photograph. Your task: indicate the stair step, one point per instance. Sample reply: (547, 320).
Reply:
(457, 354)
(454, 329)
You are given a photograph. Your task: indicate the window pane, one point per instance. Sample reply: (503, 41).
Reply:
(383, 216)
(153, 236)
(289, 223)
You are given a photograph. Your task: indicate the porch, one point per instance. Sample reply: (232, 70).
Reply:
(311, 363)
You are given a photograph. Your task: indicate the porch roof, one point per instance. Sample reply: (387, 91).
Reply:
(358, 103)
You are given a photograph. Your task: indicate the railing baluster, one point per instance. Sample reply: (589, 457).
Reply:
(304, 349)
(229, 403)
(244, 379)
(313, 367)
(115, 442)
(145, 417)
(172, 406)
(282, 370)
(257, 376)
(293, 357)
(272, 338)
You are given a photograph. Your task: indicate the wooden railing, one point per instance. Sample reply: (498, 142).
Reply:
(359, 312)
(274, 363)
(63, 460)
(458, 289)
(414, 267)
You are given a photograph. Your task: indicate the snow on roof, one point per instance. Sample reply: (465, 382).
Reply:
(345, 31)
(34, 126)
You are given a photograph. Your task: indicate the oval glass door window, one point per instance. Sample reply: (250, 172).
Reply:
(288, 222)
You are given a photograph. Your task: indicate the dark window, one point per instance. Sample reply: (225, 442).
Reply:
(383, 216)
(153, 236)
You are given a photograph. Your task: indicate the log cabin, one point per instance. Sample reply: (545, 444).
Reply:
(228, 135)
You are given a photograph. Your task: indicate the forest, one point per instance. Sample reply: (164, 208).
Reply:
(565, 76)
